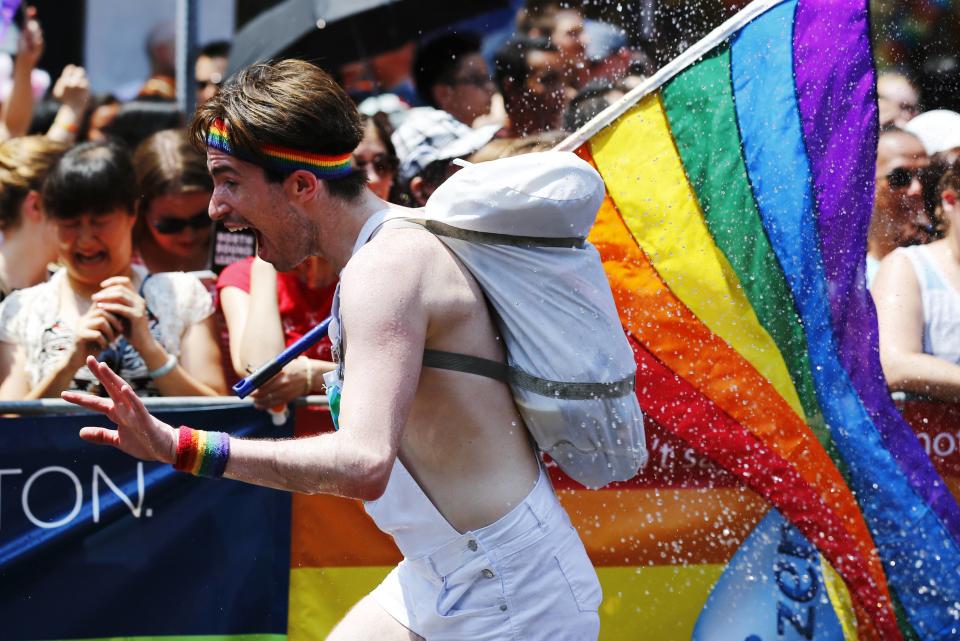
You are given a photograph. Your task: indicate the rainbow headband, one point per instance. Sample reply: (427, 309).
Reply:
(283, 159)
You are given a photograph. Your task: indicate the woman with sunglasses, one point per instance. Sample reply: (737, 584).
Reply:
(156, 331)
(917, 293)
(173, 231)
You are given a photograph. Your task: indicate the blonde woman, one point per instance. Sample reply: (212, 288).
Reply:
(29, 239)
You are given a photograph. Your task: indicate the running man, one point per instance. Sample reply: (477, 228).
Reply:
(440, 457)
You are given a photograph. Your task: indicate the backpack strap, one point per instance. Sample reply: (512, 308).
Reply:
(491, 238)
(466, 363)
(499, 371)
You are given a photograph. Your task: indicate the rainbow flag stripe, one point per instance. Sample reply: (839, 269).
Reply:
(283, 159)
(734, 235)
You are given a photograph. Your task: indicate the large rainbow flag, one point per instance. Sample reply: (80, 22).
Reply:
(785, 497)
(740, 185)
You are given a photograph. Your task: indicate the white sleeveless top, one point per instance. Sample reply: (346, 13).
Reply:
(31, 319)
(941, 306)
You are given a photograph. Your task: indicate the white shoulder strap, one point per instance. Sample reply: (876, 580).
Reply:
(373, 224)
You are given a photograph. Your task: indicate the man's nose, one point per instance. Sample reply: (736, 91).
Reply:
(217, 210)
(915, 188)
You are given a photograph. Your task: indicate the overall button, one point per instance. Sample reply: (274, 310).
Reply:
(472, 545)
(487, 573)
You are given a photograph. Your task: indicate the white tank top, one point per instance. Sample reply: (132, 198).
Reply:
(941, 305)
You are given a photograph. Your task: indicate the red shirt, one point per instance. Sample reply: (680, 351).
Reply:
(301, 307)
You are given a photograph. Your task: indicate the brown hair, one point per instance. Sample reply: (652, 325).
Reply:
(166, 163)
(24, 164)
(290, 103)
(950, 181)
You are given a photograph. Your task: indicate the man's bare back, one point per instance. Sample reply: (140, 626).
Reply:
(464, 441)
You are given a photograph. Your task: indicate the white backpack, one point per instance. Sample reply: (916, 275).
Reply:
(520, 225)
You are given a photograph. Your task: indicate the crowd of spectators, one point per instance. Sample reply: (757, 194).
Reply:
(107, 248)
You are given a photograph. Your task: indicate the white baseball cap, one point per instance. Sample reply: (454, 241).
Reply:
(938, 130)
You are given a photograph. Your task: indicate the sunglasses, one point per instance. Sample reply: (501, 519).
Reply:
(901, 177)
(382, 164)
(168, 225)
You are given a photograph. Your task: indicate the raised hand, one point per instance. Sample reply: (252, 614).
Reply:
(72, 88)
(30, 45)
(138, 433)
(119, 298)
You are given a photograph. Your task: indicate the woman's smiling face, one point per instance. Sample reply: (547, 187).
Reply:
(94, 247)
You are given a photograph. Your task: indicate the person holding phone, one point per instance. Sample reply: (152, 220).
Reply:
(155, 330)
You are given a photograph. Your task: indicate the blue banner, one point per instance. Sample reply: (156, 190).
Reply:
(94, 544)
(772, 590)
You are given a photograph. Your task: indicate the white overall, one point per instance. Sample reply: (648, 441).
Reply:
(525, 576)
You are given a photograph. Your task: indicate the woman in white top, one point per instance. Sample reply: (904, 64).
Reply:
(917, 293)
(154, 330)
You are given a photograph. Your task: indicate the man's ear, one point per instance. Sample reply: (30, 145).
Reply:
(302, 185)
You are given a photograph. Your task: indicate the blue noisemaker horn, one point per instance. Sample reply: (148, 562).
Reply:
(272, 368)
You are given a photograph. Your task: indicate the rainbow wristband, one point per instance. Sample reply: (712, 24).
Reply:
(202, 453)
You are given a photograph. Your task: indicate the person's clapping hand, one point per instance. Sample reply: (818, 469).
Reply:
(72, 88)
(120, 299)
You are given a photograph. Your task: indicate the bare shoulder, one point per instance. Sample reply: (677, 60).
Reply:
(398, 260)
(389, 276)
(894, 274)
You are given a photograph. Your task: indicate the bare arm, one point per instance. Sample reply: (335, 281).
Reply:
(14, 385)
(263, 331)
(302, 376)
(200, 355)
(896, 293)
(383, 309)
(235, 305)
(73, 91)
(18, 110)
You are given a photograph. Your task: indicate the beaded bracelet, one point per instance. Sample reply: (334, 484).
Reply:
(202, 453)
